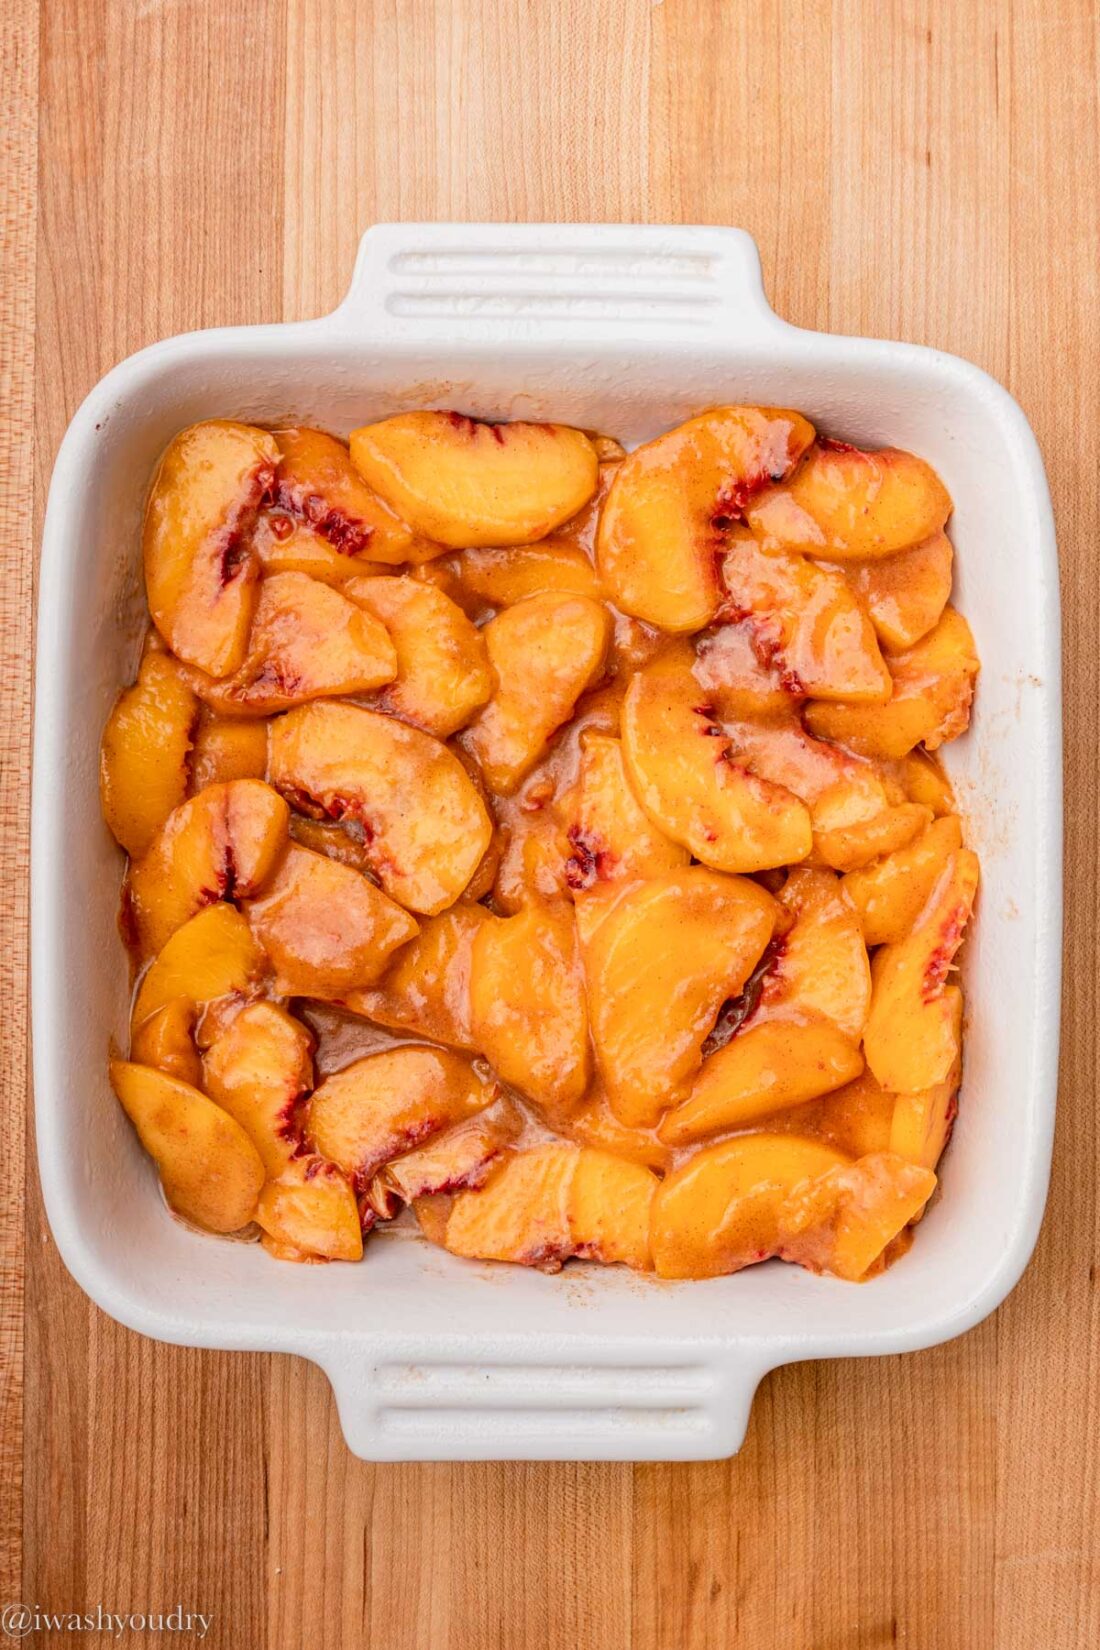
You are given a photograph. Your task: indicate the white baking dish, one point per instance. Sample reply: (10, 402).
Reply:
(626, 330)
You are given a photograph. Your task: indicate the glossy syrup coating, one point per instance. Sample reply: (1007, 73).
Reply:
(544, 840)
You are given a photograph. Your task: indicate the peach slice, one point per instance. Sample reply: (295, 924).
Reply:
(921, 1124)
(344, 843)
(520, 1215)
(225, 748)
(285, 545)
(805, 622)
(200, 572)
(736, 682)
(502, 577)
(143, 758)
(933, 687)
(427, 986)
(848, 505)
(905, 594)
(680, 766)
(851, 828)
(611, 838)
(924, 781)
(318, 483)
(821, 965)
(387, 1103)
(527, 1004)
(307, 642)
(912, 1035)
(843, 1221)
(209, 1168)
(326, 928)
(463, 1156)
(890, 894)
(610, 1202)
(856, 1119)
(211, 955)
(426, 826)
(673, 501)
(764, 1068)
(659, 968)
(220, 845)
(443, 671)
(596, 1125)
(165, 1039)
(545, 652)
(721, 1209)
(545, 1205)
(311, 1208)
(465, 483)
(257, 1070)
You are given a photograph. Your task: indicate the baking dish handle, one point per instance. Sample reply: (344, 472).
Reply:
(592, 284)
(510, 1403)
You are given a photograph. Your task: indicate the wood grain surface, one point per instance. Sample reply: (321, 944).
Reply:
(920, 169)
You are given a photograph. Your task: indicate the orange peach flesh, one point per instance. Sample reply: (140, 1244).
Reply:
(609, 858)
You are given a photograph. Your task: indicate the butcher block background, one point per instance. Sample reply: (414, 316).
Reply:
(910, 169)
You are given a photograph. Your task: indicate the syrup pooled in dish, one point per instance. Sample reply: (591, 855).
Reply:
(546, 839)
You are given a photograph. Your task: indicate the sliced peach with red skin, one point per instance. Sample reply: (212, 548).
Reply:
(464, 483)
(933, 687)
(685, 774)
(443, 673)
(520, 1215)
(385, 1104)
(143, 757)
(286, 545)
(890, 894)
(165, 1039)
(612, 839)
(912, 1036)
(310, 1207)
(326, 928)
(427, 827)
(227, 747)
(544, 652)
(765, 1068)
(737, 681)
(200, 571)
(221, 845)
(543, 1206)
(845, 504)
(209, 1168)
(843, 1221)
(721, 1209)
(905, 595)
(427, 986)
(317, 482)
(659, 967)
(527, 1004)
(212, 955)
(806, 622)
(258, 1070)
(307, 642)
(671, 505)
(821, 965)
(462, 1157)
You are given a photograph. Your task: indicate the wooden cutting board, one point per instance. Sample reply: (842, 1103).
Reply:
(925, 170)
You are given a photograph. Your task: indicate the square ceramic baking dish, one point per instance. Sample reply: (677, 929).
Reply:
(626, 330)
